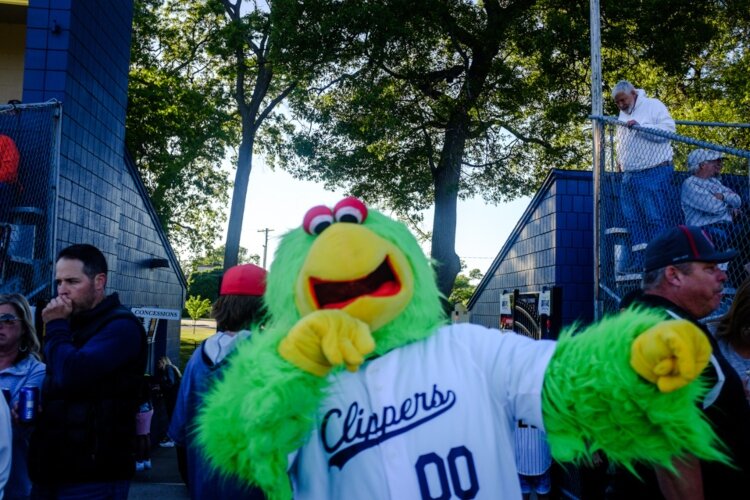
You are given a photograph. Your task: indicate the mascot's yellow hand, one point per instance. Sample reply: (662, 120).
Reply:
(671, 354)
(327, 338)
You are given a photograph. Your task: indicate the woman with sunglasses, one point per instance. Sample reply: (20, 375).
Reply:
(19, 367)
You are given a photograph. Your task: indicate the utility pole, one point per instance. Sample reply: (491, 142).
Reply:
(265, 244)
(597, 130)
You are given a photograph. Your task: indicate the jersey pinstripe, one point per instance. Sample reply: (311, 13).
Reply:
(532, 451)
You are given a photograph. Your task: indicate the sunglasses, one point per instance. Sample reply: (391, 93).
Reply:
(8, 319)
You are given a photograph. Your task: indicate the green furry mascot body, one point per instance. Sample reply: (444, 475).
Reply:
(356, 390)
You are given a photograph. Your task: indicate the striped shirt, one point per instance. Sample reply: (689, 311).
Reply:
(702, 207)
(532, 451)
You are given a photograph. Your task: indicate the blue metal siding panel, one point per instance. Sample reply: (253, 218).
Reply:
(35, 59)
(33, 79)
(86, 66)
(553, 248)
(37, 18)
(54, 81)
(566, 203)
(59, 40)
(60, 16)
(57, 60)
(33, 96)
(579, 204)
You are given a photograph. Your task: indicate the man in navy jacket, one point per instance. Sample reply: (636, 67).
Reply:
(95, 350)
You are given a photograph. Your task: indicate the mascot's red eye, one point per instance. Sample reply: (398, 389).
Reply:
(350, 210)
(317, 219)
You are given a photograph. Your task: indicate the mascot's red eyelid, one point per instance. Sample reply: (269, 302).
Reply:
(317, 219)
(350, 209)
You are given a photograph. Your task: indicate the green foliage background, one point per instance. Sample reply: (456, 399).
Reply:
(408, 105)
(197, 307)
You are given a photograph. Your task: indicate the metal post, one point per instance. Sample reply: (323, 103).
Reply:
(265, 244)
(597, 135)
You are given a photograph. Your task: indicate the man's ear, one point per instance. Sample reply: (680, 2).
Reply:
(672, 275)
(100, 281)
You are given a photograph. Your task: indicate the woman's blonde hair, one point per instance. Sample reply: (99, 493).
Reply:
(28, 344)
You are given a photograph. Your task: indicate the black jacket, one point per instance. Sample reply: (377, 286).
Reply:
(95, 367)
(729, 416)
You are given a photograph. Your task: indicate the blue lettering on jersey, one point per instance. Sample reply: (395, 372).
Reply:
(357, 432)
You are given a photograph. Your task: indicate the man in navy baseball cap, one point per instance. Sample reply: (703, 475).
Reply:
(683, 244)
(683, 279)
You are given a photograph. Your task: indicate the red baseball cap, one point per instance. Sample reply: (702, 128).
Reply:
(245, 279)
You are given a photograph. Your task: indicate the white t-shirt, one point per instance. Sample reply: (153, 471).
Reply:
(430, 418)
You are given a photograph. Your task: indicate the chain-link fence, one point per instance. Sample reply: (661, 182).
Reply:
(650, 180)
(29, 152)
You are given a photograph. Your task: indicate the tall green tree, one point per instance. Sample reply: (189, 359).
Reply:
(206, 74)
(712, 85)
(248, 46)
(264, 71)
(180, 120)
(445, 99)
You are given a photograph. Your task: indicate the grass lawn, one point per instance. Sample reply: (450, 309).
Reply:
(190, 337)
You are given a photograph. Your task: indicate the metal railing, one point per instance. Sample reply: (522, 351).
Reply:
(627, 218)
(29, 158)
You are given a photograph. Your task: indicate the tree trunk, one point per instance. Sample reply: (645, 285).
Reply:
(239, 196)
(447, 176)
(446, 179)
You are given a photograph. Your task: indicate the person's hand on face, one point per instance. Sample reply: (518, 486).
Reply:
(58, 308)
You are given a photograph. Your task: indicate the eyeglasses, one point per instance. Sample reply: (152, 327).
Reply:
(8, 319)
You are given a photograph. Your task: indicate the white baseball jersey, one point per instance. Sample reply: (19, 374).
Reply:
(433, 419)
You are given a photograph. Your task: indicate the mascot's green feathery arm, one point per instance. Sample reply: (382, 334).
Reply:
(352, 284)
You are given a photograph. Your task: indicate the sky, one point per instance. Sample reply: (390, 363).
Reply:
(278, 201)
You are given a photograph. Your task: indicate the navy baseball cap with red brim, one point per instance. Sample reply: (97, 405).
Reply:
(683, 244)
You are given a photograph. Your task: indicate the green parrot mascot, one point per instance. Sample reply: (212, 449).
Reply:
(358, 387)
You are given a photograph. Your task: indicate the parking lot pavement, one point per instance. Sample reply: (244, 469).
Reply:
(162, 482)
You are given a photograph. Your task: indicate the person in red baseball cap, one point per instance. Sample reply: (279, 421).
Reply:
(238, 311)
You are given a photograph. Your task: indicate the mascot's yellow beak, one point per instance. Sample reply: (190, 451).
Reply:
(351, 268)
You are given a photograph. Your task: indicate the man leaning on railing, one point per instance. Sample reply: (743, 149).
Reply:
(646, 161)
